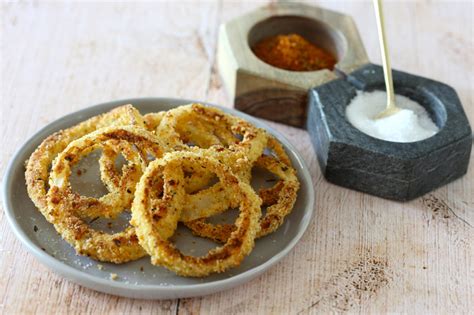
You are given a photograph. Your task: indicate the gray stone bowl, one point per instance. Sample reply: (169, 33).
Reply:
(398, 171)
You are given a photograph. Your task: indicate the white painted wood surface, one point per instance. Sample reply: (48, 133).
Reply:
(361, 254)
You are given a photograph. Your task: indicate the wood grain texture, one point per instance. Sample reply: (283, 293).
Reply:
(361, 254)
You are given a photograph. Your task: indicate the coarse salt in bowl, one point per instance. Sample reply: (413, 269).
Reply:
(412, 123)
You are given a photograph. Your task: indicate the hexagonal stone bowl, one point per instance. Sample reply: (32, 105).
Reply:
(276, 94)
(399, 171)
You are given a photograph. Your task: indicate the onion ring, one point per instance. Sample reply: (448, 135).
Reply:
(210, 128)
(269, 196)
(109, 174)
(153, 217)
(277, 150)
(115, 181)
(66, 210)
(280, 200)
(224, 127)
(37, 166)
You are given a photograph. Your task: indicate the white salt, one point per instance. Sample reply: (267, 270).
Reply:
(412, 123)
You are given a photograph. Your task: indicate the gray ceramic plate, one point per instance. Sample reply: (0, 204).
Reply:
(139, 279)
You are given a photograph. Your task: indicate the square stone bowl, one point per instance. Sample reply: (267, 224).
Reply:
(265, 91)
(398, 171)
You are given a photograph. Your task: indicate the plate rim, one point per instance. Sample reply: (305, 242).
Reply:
(199, 289)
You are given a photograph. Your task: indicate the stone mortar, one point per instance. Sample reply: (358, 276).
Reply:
(399, 171)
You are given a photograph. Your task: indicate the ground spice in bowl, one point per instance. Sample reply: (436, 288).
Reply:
(293, 52)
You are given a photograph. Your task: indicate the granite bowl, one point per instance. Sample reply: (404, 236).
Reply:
(398, 171)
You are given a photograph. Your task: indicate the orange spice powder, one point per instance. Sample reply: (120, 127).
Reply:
(293, 52)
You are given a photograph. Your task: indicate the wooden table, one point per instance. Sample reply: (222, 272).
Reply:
(360, 254)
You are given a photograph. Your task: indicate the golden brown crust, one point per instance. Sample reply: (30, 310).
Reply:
(223, 127)
(280, 200)
(66, 209)
(201, 142)
(153, 120)
(153, 232)
(37, 173)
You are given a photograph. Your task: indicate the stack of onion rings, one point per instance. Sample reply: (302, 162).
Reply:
(183, 165)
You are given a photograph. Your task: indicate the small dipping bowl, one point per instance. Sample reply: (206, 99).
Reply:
(399, 171)
(265, 91)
